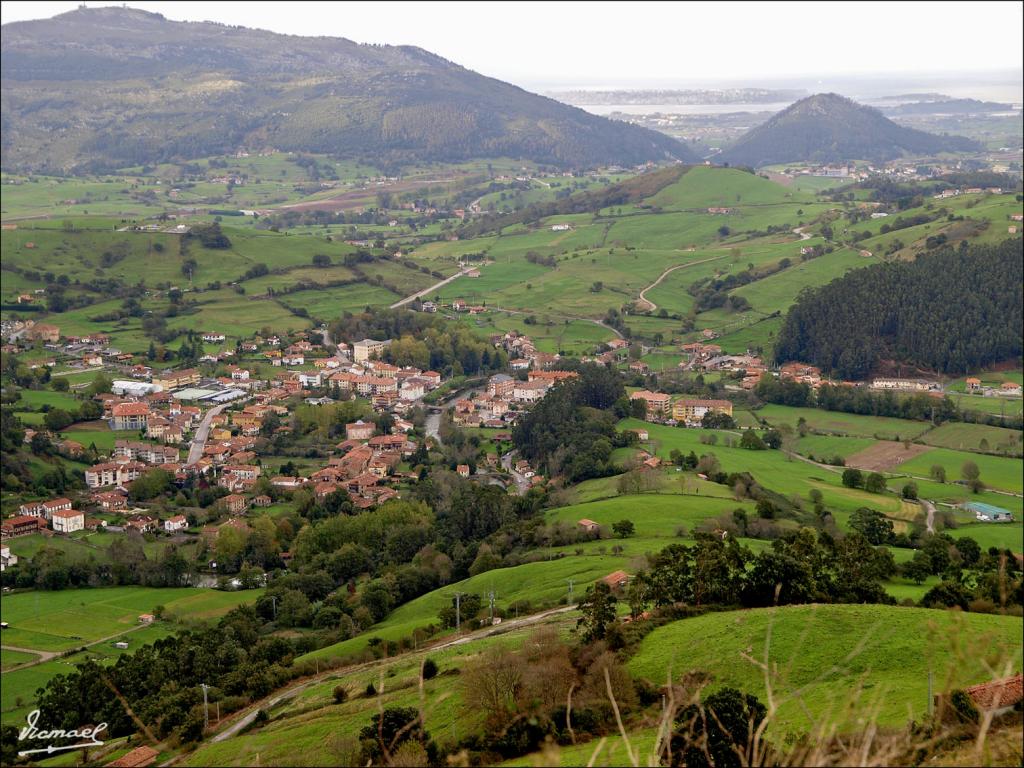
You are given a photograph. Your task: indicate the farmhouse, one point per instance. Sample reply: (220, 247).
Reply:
(140, 757)
(360, 430)
(44, 332)
(234, 503)
(616, 580)
(973, 384)
(176, 523)
(588, 525)
(1010, 388)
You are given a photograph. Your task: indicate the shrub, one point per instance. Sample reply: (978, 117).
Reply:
(429, 669)
(340, 694)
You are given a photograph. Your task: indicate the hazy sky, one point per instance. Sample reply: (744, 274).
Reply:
(538, 44)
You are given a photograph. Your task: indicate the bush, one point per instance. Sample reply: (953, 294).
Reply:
(371, 690)
(340, 694)
(429, 669)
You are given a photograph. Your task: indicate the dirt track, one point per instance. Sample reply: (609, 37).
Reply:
(884, 455)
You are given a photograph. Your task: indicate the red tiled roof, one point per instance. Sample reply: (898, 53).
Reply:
(131, 409)
(997, 694)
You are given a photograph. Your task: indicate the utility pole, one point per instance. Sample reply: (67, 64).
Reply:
(931, 701)
(490, 600)
(570, 591)
(206, 707)
(458, 609)
(273, 600)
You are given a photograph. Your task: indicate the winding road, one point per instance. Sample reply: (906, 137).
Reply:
(651, 306)
(267, 704)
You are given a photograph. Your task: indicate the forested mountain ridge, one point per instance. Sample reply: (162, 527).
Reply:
(952, 311)
(829, 128)
(107, 87)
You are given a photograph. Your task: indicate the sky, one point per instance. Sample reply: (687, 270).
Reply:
(594, 44)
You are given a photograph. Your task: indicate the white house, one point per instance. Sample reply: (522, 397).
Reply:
(176, 523)
(68, 521)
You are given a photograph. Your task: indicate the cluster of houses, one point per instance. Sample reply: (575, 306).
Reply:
(365, 466)
(948, 193)
(506, 397)
(1007, 389)
(523, 354)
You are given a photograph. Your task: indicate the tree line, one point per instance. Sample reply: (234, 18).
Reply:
(951, 311)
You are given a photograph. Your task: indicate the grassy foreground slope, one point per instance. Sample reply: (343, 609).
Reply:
(825, 658)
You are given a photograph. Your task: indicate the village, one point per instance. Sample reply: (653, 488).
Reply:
(213, 426)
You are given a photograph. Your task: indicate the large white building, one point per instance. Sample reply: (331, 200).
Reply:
(68, 521)
(368, 348)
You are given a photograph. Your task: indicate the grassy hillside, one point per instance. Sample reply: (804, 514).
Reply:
(825, 659)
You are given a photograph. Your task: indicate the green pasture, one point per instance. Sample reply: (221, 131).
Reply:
(831, 663)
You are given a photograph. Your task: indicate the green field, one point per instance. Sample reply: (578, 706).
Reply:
(56, 621)
(843, 424)
(828, 659)
(970, 437)
(997, 472)
(541, 583)
(59, 621)
(10, 659)
(654, 515)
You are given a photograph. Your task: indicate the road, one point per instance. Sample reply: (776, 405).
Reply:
(195, 453)
(48, 655)
(522, 482)
(267, 704)
(328, 341)
(929, 509)
(803, 235)
(427, 291)
(651, 306)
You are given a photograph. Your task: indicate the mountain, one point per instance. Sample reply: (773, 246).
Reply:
(828, 128)
(103, 88)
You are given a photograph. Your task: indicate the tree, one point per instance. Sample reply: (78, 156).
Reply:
(969, 549)
(429, 669)
(57, 419)
(598, 609)
(919, 568)
(909, 491)
(719, 731)
(751, 441)
(624, 528)
(972, 476)
(853, 478)
(388, 733)
(873, 525)
(321, 260)
(874, 483)
(717, 420)
(938, 473)
(492, 685)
